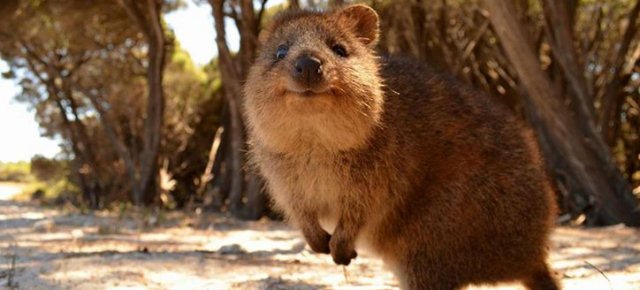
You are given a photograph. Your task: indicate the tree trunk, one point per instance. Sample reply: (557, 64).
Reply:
(84, 160)
(232, 93)
(257, 201)
(84, 148)
(559, 29)
(233, 70)
(79, 160)
(149, 167)
(150, 24)
(597, 176)
(108, 123)
(613, 99)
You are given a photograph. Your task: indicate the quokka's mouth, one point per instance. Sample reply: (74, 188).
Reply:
(308, 93)
(304, 91)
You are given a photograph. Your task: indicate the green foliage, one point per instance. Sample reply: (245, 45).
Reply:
(82, 67)
(15, 172)
(57, 192)
(47, 179)
(193, 114)
(42, 178)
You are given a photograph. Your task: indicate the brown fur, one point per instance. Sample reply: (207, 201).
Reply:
(441, 183)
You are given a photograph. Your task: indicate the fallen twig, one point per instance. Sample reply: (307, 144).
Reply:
(345, 273)
(12, 273)
(601, 273)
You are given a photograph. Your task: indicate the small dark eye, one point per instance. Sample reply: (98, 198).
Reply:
(339, 50)
(282, 51)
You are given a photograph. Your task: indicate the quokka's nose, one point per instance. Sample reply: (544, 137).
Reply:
(308, 70)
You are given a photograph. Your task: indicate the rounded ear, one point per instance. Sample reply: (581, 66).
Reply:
(363, 21)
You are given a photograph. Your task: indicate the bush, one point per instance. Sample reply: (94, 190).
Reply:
(15, 172)
(47, 169)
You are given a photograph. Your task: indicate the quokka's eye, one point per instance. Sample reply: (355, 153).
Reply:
(339, 50)
(281, 53)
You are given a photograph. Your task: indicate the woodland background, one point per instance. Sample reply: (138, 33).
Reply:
(142, 125)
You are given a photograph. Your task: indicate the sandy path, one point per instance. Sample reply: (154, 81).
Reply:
(57, 250)
(9, 190)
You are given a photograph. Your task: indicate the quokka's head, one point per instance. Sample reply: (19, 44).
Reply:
(315, 83)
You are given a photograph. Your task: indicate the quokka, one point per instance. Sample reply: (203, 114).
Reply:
(380, 153)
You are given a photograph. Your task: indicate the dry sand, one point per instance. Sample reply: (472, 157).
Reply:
(54, 249)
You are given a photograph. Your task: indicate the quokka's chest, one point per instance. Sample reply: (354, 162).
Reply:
(308, 179)
(318, 176)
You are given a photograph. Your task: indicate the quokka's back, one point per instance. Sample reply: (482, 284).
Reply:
(382, 154)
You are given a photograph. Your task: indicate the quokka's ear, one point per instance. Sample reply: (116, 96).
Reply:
(363, 21)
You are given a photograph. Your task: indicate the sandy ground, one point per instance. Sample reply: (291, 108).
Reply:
(57, 249)
(9, 190)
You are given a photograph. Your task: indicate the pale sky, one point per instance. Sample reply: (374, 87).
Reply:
(193, 26)
(20, 137)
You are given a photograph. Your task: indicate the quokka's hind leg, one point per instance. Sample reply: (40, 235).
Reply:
(421, 276)
(542, 280)
(429, 283)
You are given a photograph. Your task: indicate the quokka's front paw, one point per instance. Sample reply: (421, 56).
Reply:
(342, 251)
(318, 241)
